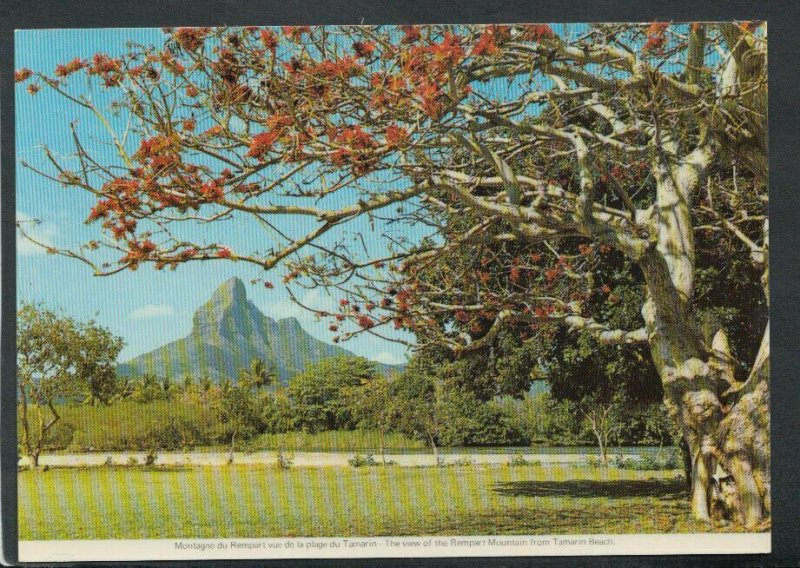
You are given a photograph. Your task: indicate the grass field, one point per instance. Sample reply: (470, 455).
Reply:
(246, 501)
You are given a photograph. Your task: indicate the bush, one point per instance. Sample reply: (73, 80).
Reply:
(132, 461)
(284, 461)
(109, 461)
(519, 460)
(650, 462)
(151, 458)
(361, 461)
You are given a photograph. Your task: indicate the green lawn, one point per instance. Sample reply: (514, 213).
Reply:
(246, 501)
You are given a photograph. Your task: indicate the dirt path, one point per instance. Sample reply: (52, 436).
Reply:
(304, 459)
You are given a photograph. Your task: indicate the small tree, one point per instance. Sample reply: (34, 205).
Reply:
(320, 392)
(373, 405)
(58, 359)
(239, 405)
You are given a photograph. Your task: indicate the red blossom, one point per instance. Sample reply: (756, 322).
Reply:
(366, 322)
(333, 327)
(462, 316)
(262, 143)
(396, 136)
(268, 285)
(344, 302)
(23, 74)
(485, 45)
(656, 37)
(191, 91)
(224, 252)
(191, 38)
(269, 39)
(537, 32)
(411, 34)
(189, 124)
(69, 68)
(33, 88)
(364, 48)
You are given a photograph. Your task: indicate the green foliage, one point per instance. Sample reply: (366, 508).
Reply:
(671, 460)
(519, 461)
(320, 393)
(59, 359)
(362, 461)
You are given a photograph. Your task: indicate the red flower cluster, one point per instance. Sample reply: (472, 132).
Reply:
(262, 143)
(364, 48)
(69, 68)
(224, 252)
(487, 43)
(108, 68)
(656, 37)
(342, 68)
(269, 39)
(365, 322)
(396, 136)
(22, 75)
(537, 32)
(411, 34)
(191, 39)
(356, 148)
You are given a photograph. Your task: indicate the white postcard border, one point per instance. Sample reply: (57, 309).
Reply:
(394, 547)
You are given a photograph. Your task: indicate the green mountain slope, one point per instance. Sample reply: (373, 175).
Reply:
(228, 331)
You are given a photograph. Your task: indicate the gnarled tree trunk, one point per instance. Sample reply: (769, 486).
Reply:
(722, 421)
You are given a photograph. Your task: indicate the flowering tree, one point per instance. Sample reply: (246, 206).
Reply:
(647, 141)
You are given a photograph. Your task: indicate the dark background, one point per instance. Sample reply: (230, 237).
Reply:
(784, 55)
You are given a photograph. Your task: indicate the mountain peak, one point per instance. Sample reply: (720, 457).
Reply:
(232, 290)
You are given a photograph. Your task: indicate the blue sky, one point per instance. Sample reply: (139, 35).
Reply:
(148, 308)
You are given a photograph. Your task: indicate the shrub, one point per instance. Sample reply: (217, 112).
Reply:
(109, 461)
(151, 458)
(133, 461)
(284, 461)
(463, 461)
(519, 460)
(650, 462)
(360, 461)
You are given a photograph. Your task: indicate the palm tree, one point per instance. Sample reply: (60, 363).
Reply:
(259, 375)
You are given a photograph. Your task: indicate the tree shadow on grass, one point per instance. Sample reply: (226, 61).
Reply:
(612, 489)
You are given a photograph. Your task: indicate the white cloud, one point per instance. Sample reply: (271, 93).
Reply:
(39, 231)
(152, 311)
(388, 358)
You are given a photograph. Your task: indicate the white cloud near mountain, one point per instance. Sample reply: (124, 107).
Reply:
(388, 358)
(152, 311)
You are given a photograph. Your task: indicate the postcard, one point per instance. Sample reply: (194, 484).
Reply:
(392, 290)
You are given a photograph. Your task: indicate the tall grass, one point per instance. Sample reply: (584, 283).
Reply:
(178, 424)
(335, 440)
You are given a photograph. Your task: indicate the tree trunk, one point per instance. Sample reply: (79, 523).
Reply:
(230, 454)
(383, 447)
(734, 434)
(435, 450)
(694, 374)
